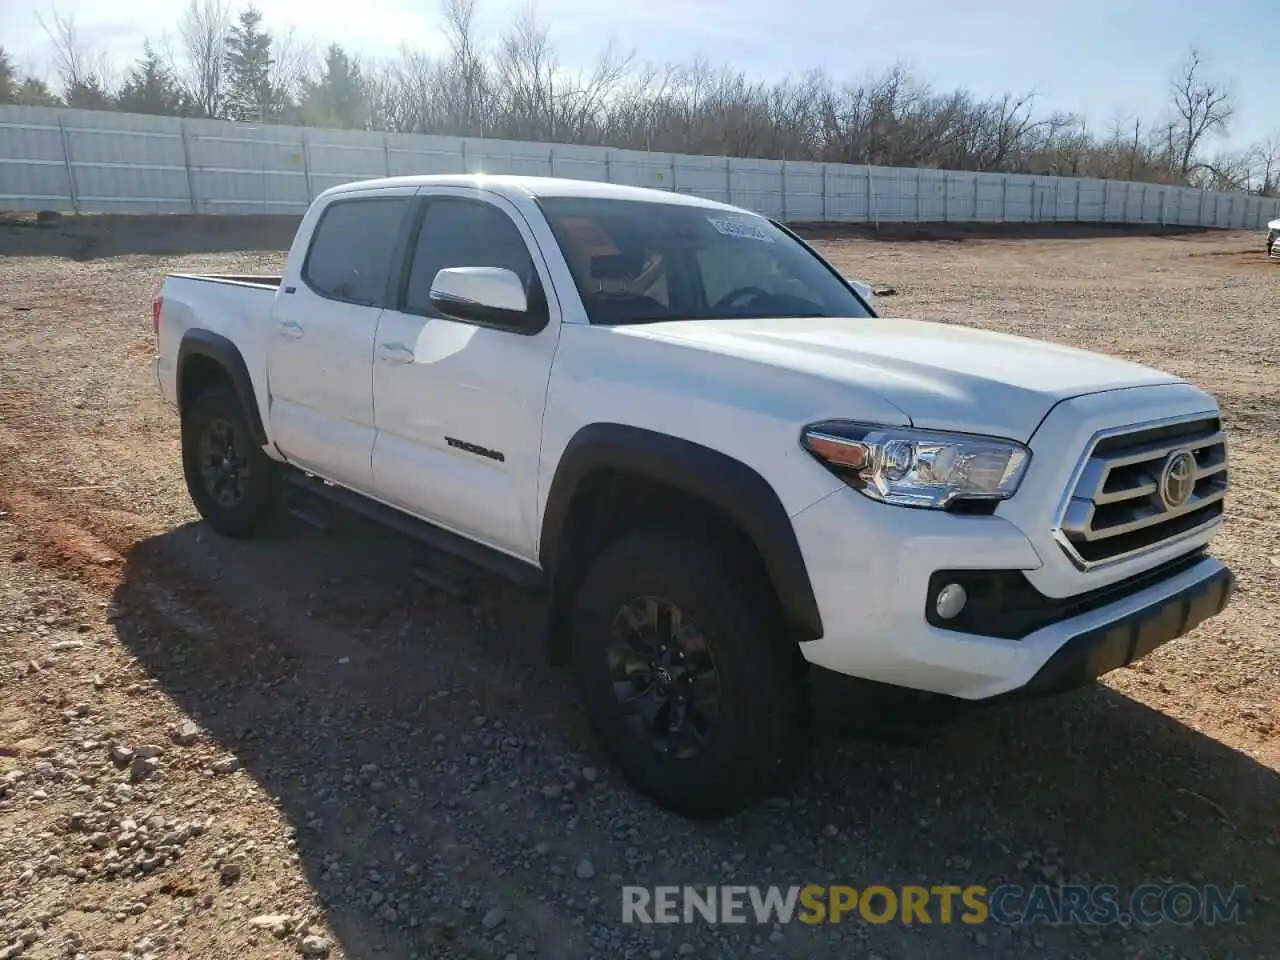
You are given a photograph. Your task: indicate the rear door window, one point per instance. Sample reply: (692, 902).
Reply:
(350, 255)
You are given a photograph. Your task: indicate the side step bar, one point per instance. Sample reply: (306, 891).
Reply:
(494, 561)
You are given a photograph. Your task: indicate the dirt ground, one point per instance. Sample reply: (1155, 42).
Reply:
(296, 747)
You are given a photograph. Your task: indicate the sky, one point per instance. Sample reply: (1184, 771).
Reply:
(1098, 58)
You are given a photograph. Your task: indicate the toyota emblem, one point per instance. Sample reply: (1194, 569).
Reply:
(1177, 479)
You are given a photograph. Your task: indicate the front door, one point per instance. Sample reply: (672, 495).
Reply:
(459, 406)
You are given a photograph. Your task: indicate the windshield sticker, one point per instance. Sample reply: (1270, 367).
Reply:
(743, 229)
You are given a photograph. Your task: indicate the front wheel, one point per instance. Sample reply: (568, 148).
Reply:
(232, 482)
(683, 675)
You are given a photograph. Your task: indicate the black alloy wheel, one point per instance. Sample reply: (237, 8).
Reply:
(224, 465)
(664, 676)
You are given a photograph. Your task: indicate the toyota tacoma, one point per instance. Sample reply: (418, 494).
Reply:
(725, 471)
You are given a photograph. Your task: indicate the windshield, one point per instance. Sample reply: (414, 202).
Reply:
(640, 262)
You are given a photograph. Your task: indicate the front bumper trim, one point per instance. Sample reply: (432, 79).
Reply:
(1119, 643)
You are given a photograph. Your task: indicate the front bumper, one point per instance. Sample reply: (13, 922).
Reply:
(872, 593)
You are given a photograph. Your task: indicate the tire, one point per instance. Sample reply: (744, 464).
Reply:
(752, 745)
(216, 419)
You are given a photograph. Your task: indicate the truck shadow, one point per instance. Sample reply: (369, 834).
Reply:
(423, 749)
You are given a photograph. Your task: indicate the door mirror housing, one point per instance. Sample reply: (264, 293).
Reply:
(492, 296)
(863, 290)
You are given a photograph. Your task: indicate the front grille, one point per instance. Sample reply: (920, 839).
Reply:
(1117, 508)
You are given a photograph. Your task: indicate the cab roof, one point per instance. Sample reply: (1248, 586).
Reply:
(512, 186)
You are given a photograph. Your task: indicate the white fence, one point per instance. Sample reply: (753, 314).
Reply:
(99, 162)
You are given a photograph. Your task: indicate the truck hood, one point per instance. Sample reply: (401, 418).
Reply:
(939, 375)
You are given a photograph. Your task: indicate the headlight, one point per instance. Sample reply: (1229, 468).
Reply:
(918, 468)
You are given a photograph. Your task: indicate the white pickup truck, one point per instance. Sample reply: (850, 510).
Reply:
(725, 470)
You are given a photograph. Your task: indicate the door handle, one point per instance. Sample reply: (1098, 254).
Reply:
(292, 330)
(394, 353)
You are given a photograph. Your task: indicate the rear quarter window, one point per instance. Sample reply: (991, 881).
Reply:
(350, 254)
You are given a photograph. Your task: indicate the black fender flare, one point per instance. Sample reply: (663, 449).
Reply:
(214, 346)
(729, 484)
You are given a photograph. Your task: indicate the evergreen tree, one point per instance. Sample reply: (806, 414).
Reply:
(338, 99)
(150, 88)
(8, 78)
(250, 95)
(88, 94)
(34, 92)
(27, 91)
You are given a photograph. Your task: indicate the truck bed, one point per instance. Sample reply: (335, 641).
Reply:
(236, 307)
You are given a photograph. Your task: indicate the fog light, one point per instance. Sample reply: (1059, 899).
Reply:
(951, 601)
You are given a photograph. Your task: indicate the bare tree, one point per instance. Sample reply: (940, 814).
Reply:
(403, 93)
(292, 60)
(202, 33)
(85, 72)
(1134, 149)
(526, 69)
(1011, 120)
(1203, 107)
(1225, 170)
(381, 95)
(1264, 160)
(584, 100)
(465, 74)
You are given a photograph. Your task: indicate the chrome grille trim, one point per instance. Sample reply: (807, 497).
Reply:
(1112, 509)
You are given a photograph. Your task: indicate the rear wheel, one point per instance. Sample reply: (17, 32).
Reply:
(232, 482)
(684, 676)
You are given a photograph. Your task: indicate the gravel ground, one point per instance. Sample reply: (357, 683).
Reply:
(296, 747)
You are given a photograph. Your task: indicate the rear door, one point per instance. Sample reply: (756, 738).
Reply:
(320, 352)
(459, 406)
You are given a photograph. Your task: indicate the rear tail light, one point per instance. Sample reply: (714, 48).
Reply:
(156, 304)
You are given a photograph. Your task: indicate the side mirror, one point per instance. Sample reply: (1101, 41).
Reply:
(493, 296)
(862, 290)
